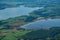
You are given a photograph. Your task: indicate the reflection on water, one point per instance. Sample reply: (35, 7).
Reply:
(43, 24)
(16, 11)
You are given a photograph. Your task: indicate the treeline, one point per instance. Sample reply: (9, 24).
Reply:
(44, 34)
(16, 22)
(41, 34)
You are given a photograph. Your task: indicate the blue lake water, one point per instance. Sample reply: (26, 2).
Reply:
(43, 24)
(16, 11)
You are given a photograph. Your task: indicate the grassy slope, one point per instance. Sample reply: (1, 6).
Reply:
(12, 35)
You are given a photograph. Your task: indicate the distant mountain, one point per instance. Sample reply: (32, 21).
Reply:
(29, 0)
(33, 1)
(42, 1)
(28, 3)
(17, 0)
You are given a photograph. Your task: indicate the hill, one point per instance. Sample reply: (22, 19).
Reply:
(44, 34)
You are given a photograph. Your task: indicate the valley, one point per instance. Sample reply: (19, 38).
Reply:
(29, 19)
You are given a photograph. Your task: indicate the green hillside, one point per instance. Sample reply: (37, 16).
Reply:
(44, 34)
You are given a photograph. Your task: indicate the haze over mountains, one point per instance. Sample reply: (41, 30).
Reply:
(29, 3)
(33, 1)
(27, 0)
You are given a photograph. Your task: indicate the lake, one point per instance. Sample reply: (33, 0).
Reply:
(16, 11)
(42, 24)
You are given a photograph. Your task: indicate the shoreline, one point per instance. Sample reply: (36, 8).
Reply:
(23, 26)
